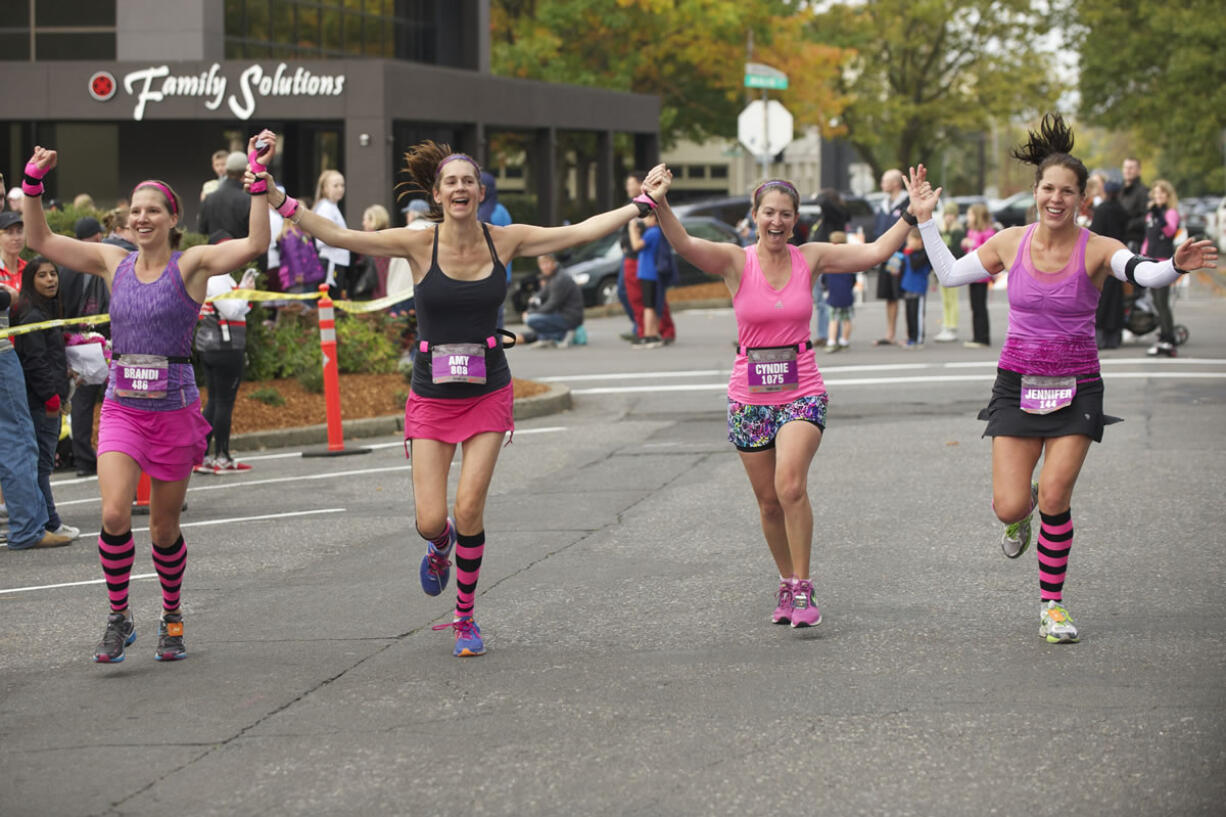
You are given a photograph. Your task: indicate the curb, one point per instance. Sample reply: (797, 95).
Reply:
(557, 399)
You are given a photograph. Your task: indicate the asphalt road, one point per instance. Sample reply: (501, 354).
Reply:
(625, 600)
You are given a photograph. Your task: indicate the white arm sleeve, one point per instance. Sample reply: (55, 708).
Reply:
(1144, 272)
(950, 272)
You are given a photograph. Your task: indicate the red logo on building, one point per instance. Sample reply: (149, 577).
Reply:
(102, 86)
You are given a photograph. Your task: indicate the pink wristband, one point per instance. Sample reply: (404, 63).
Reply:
(259, 185)
(34, 171)
(32, 190)
(288, 207)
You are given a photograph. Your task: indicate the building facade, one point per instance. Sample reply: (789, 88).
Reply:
(128, 89)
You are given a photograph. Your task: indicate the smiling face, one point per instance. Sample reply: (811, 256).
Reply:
(47, 280)
(775, 218)
(1057, 196)
(457, 189)
(150, 217)
(334, 188)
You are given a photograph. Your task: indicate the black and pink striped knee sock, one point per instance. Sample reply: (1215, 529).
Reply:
(442, 541)
(170, 562)
(1055, 542)
(468, 552)
(116, 551)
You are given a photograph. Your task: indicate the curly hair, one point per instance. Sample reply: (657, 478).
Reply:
(1051, 145)
(421, 164)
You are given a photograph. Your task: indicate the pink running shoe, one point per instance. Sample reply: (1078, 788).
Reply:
(804, 607)
(783, 612)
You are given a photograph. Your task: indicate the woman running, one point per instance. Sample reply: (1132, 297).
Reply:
(775, 380)
(1048, 396)
(461, 391)
(151, 417)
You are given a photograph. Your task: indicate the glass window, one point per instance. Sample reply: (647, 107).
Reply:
(696, 171)
(14, 46)
(59, 13)
(353, 34)
(330, 33)
(719, 171)
(15, 13)
(75, 46)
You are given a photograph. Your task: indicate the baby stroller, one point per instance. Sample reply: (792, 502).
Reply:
(1140, 317)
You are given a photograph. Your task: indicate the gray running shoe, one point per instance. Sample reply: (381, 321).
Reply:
(170, 638)
(1016, 538)
(120, 632)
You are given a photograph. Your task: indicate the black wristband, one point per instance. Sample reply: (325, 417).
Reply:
(910, 217)
(1179, 271)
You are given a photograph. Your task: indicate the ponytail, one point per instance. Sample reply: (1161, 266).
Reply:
(1051, 144)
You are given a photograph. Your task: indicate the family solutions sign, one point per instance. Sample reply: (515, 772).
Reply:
(156, 83)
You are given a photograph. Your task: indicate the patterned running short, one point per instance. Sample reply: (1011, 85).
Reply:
(754, 428)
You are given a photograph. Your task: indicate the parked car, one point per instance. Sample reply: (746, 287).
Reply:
(1195, 214)
(1219, 221)
(729, 209)
(595, 265)
(1011, 212)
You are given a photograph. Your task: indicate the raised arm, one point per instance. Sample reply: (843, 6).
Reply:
(530, 240)
(390, 243)
(714, 258)
(974, 266)
(859, 257)
(83, 256)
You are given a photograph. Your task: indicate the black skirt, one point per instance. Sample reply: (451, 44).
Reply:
(1083, 416)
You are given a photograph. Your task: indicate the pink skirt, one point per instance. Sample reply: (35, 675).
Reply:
(165, 444)
(454, 421)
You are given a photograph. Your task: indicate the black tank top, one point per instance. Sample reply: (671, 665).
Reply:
(452, 311)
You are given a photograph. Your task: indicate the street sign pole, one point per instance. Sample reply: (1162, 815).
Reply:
(766, 133)
(765, 77)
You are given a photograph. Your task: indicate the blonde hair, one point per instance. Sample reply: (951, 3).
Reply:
(323, 179)
(978, 217)
(838, 237)
(1172, 200)
(83, 201)
(379, 215)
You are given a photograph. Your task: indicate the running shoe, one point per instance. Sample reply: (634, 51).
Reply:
(1017, 534)
(67, 530)
(783, 611)
(120, 632)
(1055, 624)
(207, 466)
(225, 465)
(468, 643)
(804, 606)
(170, 638)
(435, 569)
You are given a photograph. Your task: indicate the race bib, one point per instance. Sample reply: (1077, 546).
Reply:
(142, 376)
(1043, 395)
(772, 369)
(458, 363)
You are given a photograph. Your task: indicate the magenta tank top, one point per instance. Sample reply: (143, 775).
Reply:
(157, 318)
(1051, 315)
(767, 317)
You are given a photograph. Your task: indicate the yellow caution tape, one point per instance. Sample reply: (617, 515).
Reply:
(26, 328)
(234, 294)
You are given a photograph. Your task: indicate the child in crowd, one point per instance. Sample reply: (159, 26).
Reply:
(841, 298)
(914, 266)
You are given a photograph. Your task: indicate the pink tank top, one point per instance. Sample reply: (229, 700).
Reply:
(1051, 315)
(768, 317)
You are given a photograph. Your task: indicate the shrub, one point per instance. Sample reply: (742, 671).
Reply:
(363, 344)
(268, 396)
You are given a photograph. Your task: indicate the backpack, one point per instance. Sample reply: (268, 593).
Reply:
(300, 265)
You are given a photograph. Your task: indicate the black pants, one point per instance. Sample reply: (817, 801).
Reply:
(915, 303)
(1109, 316)
(83, 401)
(1166, 319)
(979, 312)
(223, 371)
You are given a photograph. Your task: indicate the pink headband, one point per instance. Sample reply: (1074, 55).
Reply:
(463, 156)
(174, 210)
(779, 182)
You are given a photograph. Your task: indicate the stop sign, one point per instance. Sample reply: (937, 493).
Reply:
(764, 135)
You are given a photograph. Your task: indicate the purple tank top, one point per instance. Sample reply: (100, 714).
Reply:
(154, 319)
(1051, 315)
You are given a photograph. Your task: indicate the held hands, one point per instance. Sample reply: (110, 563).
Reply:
(1194, 255)
(659, 180)
(260, 150)
(923, 198)
(44, 159)
(267, 140)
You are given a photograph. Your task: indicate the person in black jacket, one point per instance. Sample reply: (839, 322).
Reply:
(558, 308)
(1110, 220)
(46, 369)
(228, 207)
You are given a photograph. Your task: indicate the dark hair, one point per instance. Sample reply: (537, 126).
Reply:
(637, 175)
(782, 185)
(29, 297)
(421, 164)
(1051, 144)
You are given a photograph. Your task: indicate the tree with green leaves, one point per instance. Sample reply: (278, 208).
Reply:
(930, 77)
(1156, 69)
